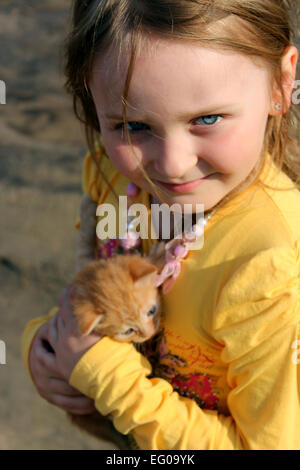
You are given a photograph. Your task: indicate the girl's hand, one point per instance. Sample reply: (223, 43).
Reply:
(50, 384)
(64, 337)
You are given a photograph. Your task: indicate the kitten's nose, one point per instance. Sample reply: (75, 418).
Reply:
(146, 333)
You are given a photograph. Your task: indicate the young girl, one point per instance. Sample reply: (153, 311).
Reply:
(192, 101)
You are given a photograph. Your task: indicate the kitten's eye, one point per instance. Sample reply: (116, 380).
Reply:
(152, 311)
(129, 331)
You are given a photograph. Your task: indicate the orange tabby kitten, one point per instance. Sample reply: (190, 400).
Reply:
(115, 298)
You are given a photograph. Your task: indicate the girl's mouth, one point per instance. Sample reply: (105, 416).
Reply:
(184, 187)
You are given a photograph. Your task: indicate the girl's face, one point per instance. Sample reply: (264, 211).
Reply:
(193, 113)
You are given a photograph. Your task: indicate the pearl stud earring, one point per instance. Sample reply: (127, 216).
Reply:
(278, 106)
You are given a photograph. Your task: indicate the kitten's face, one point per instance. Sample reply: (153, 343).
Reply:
(117, 298)
(138, 320)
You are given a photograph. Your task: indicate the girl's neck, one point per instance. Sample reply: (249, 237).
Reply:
(154, 200)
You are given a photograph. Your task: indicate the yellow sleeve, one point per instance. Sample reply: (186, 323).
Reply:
(257, 323)
(91, 184)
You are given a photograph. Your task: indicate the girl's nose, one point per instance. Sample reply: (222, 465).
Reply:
(174, 158)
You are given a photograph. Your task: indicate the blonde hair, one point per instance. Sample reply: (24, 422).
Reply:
(260, 29)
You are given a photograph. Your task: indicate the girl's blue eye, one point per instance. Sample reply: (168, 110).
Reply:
(134, 126)
(210, 119)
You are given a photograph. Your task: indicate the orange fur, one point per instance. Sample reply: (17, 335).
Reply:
(114, 295)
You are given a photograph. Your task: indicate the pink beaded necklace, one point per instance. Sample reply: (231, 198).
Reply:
(175, 250)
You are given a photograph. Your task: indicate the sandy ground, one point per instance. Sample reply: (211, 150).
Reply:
(41, 151)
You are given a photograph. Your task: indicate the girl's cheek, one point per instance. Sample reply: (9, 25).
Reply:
(236, 148)
(122, 156)
(126, 162)
(117, 152)
(222, 153)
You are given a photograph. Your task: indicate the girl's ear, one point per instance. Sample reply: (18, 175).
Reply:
(288, 68)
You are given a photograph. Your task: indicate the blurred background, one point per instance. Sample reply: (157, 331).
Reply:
(42, 147)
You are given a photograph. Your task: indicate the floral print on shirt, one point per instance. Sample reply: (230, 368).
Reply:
(195, 385)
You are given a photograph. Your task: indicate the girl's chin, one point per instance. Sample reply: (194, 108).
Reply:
(192, 203)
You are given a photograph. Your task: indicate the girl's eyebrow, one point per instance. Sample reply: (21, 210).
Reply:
(209, 110)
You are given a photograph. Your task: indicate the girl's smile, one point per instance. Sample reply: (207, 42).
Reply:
(192, 113)
(184, 187)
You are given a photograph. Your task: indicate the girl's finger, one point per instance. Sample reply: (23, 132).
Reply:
(67, 326)
(67, 299)
(42, 332)
(62, 295)
(46, 358)
(53, 331)
(61, 387)
(86, 411)
(60, 324)
(66, 295)
(76, 403)
(66, 315)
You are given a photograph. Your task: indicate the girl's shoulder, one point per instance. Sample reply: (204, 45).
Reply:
(281, 198)
(99, 175)
(264, 219)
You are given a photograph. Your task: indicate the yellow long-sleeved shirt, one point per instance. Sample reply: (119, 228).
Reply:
(223, 373)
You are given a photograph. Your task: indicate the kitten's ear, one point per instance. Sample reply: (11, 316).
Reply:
(87, 320)
(143, 273)
(147, 280)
